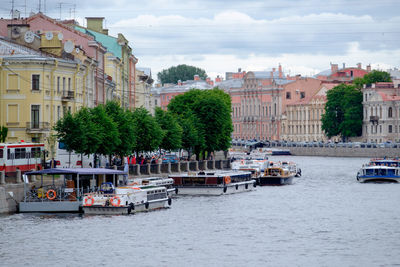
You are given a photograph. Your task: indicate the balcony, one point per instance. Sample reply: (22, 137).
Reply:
(67, 95)
(37, 127)
(374, 119)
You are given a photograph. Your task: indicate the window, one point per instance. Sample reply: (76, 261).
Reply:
(63, 84)
(69, 84)
(58, 84)
(35, 81)
(35, 109)
(390, 129)
(288, 96)
(35, 152)
(302, 95)
(155, 102)
(1, 153)
(390, 112)
(20, 153)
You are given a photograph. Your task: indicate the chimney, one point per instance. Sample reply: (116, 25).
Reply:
(179, 82)
(196, 77)
(334, 68)
(218, 79)
(344, 66)
(359, 66)
(95, 23)
(239, 69)
(211, 83)
(280, 71)
(369, 68)
(208, 79)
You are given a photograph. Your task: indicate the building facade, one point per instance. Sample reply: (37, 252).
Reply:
(381, 104)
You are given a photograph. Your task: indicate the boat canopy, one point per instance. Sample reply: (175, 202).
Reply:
(79, 171)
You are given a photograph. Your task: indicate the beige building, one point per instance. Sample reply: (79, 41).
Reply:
(381, 104)
(36, 90)
(143, 86)
(302, 119)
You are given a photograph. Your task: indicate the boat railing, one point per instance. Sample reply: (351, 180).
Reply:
(53, 193)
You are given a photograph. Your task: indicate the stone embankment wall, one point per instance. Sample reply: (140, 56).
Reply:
(343, 152)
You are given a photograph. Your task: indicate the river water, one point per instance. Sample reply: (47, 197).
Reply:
(326, 218)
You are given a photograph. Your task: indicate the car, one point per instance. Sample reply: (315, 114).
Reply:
(170, 158)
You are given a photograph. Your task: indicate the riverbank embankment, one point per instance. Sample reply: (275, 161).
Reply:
(343, 151)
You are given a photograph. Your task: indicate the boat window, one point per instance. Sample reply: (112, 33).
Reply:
(1, 153)
(391, 172)
(369, 172)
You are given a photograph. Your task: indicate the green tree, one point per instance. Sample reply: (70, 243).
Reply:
(180, 72)
(372, 77)
(172, 131)
(3, 133)
(343, 112)
(192, 137)
(107, 131)
(125, 127)
(70, 131)
(147, 131)
(211, 110)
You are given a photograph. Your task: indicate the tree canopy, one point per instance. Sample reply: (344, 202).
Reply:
(372, 77)
(148, 133)
(180, 72)
(172, 131)
(205, 116)
(343, 112)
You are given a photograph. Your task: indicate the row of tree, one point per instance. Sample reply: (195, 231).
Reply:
(198, 121)
(344, 110)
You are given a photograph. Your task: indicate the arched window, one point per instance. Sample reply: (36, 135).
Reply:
(390, 112)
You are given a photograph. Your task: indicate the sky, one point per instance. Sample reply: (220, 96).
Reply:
(304, 36)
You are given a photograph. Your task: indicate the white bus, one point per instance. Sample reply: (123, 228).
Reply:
(24, 156)
(66, 159)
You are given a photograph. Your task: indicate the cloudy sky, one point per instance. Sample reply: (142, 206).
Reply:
(304, 36)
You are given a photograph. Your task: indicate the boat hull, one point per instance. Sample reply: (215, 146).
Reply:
(265, 181)
(217, 190)
(125, 210)
(378, 179)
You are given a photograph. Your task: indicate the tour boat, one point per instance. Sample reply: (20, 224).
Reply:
(380, 170)
(277, 174)
(256, 167)
(292, 167)
(154, 181)
(125, 200)
(213, 182)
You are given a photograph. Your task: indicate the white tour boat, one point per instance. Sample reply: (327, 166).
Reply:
(213, 182)
(125, 200)
(380, 170)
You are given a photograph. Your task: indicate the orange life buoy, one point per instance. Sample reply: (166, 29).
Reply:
(227, 179)
(115, 201)
(89, 201)
(51, 194)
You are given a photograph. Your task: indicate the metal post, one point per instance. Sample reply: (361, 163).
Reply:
(77, 186)
(169, 167)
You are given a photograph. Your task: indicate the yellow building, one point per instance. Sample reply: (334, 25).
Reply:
(36, 90)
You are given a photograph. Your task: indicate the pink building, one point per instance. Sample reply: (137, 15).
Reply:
(344, 74)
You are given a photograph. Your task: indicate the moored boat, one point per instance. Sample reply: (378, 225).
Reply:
(277, 174)
(213, 183)
(154, 181)
(380, 170)
(125, 200)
